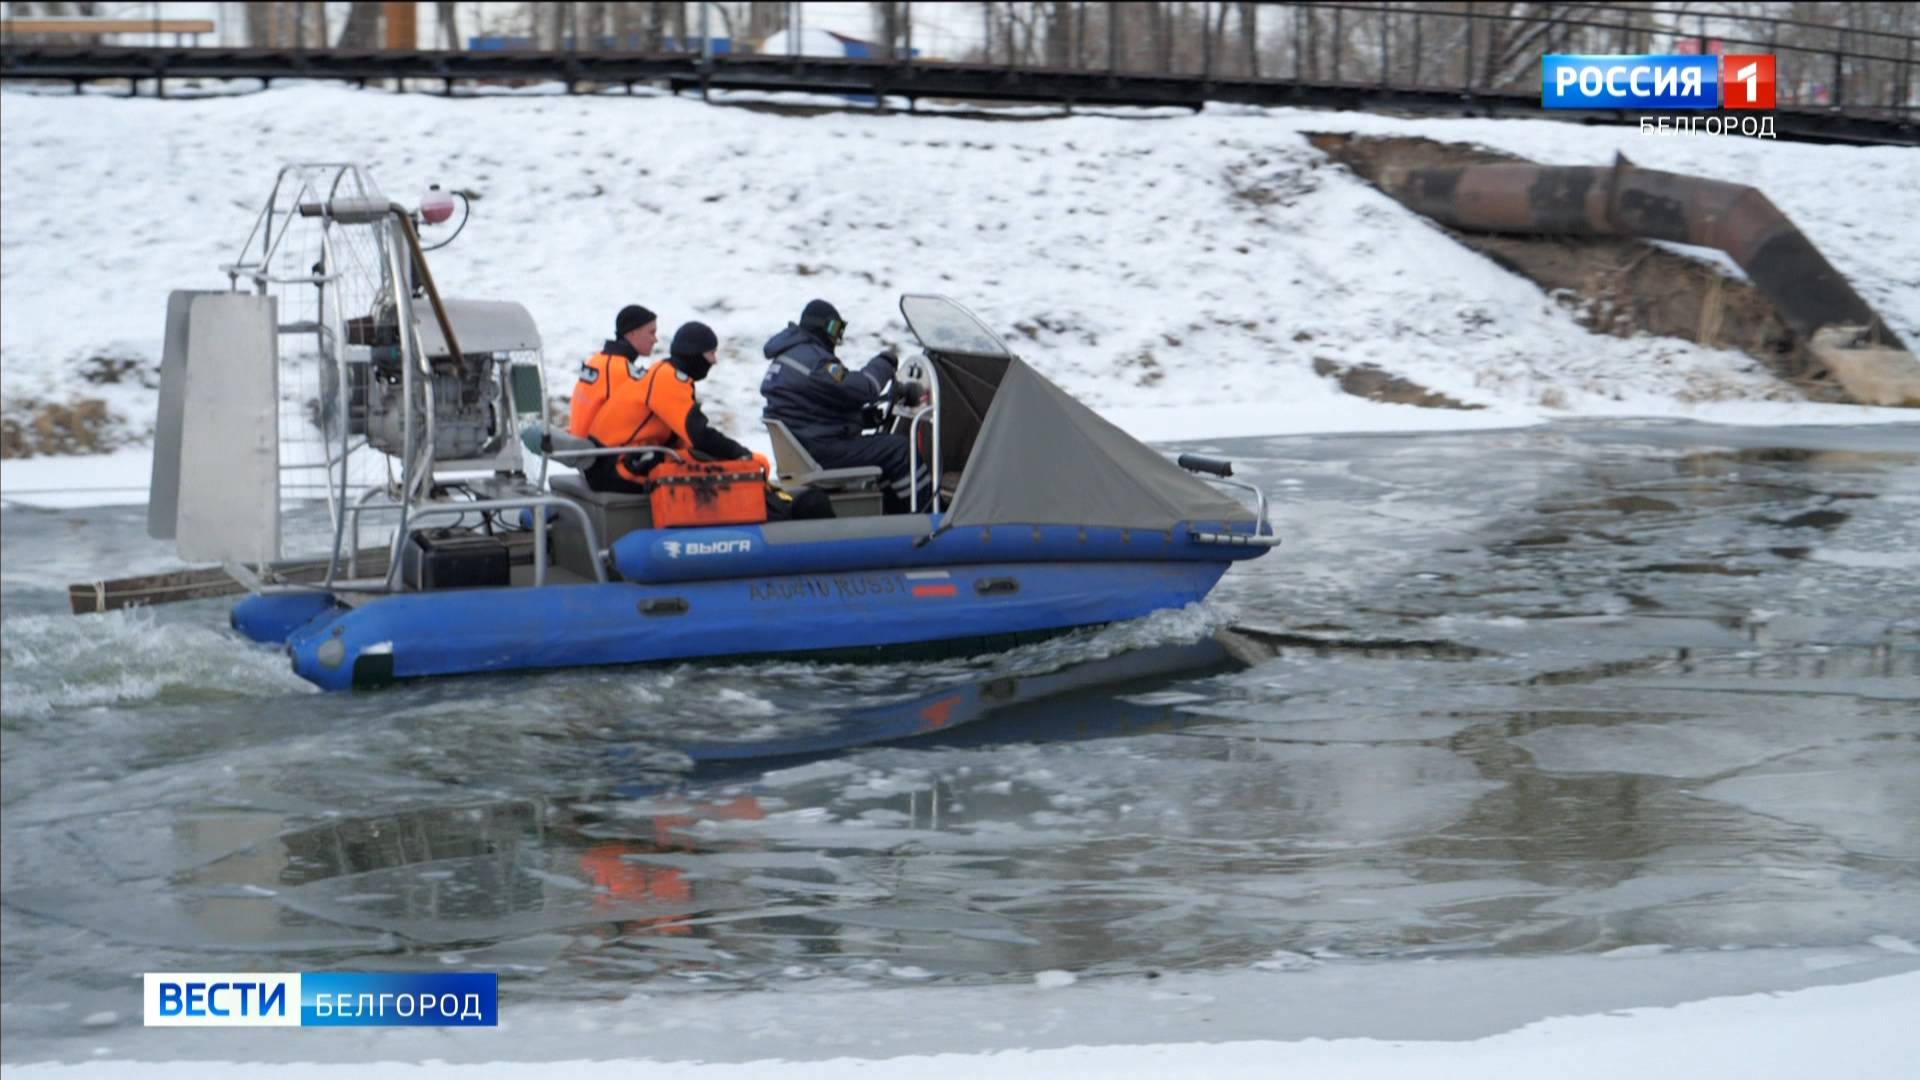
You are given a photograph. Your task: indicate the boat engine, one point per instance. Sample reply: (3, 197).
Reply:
(464, 420)
(465, 396)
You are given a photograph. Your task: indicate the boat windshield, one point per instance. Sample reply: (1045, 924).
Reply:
(945, 327)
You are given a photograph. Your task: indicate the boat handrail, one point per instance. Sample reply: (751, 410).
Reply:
(1262, 527)
(539, 504)
(929, 411)
(615, 451)
(913, 457)
(600, 452)
(1220, 471)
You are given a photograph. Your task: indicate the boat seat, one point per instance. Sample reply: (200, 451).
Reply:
(614, 514)
(854, 492)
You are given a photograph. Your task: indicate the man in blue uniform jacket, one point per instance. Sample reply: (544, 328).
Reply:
(822, 402)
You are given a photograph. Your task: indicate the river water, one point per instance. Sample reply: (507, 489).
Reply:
(1591, 688)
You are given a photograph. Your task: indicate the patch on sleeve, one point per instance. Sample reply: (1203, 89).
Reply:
(589, 373)
(838, 372)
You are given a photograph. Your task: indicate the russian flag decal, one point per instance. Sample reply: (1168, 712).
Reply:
(931, 583)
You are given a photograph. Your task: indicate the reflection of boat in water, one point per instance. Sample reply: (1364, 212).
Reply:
(1046, 517)
(525, 866)
(1088, 700)
(1110, 697)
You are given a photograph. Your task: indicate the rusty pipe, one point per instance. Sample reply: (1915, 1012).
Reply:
(1626, 200)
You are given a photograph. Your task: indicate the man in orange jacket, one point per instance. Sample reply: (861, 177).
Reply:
(635, 332)
(620, 405)
(622, 360)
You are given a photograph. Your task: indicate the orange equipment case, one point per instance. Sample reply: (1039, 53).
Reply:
(707, 493)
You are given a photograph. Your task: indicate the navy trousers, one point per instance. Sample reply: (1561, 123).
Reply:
(887, 451)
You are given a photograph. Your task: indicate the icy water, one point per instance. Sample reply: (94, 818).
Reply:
(1561, 691)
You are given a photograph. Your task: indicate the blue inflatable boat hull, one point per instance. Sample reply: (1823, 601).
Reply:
(416, 635)
(793, 588)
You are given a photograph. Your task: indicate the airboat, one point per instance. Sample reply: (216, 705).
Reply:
(373, 463)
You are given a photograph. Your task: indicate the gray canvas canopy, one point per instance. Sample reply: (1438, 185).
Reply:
(1043, 458)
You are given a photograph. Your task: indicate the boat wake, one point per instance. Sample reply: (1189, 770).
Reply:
(58, 662)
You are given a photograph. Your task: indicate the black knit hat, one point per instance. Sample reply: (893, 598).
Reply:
(820, 315)
(693, 341)
(632, 317)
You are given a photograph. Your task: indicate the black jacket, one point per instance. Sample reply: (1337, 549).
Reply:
(812, 392)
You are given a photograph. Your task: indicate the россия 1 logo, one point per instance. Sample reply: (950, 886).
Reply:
(1737, 81)
(1748, 80)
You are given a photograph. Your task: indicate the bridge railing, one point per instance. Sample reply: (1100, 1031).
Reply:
(1474, 48)
(1468, 48)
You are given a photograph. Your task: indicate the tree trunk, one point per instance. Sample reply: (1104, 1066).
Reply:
(764, 20)
(1312, 45)
(449, 16)
(593, 24)
(1250, 29)
(656, 26)
(259, 23)
(626, 25)
(885, 20)
(1059, 33)
(1217, 49)
(1162, 38)
(363, 26)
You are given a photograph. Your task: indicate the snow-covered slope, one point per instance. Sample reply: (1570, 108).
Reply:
(1180, 272)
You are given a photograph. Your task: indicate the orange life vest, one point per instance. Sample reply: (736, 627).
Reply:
(602, 375)
(591, 390)
(616, 408)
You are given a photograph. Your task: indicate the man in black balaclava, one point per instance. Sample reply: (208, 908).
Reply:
(691, 357)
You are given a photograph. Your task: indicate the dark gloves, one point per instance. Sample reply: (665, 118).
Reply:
(911, 392)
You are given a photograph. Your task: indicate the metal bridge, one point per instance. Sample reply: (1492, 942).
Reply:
(1838, 85)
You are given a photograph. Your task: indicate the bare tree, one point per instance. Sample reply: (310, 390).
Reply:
(447, 14)
(283, 24)
(1215, 45)
(1828, 54)
(1059, 33)
(656, 26)
(1515, 44)
(765, 19)
(886, 18)
(259, 17)
(626, 24)
(1250, 34)
(593, 23)
(362, 30)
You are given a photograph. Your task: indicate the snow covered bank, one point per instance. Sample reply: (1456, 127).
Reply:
(1860, 1030)
(1187, 269)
